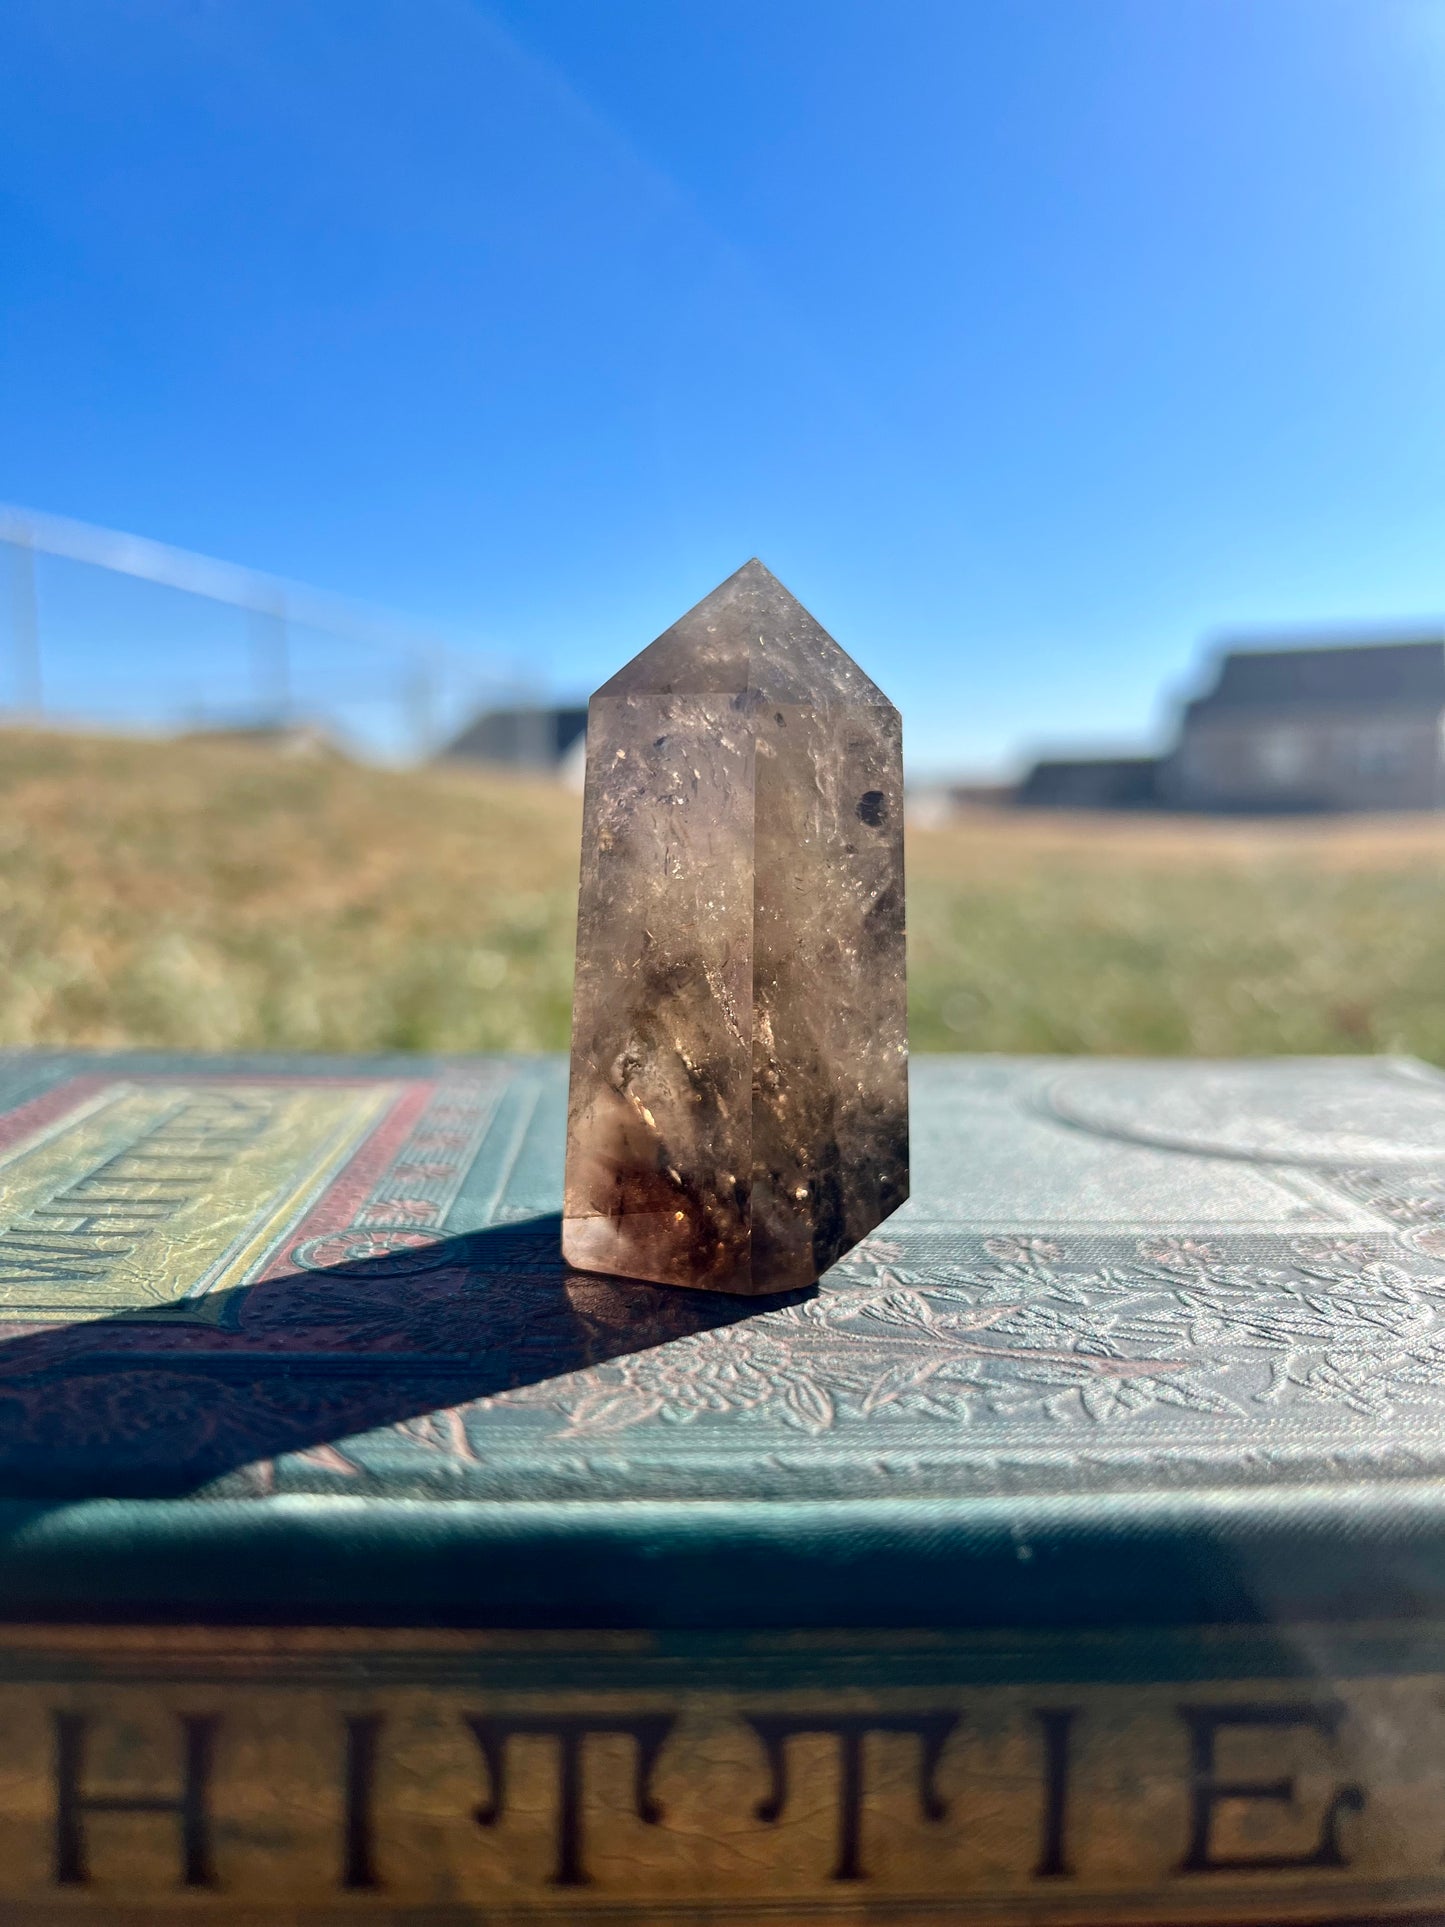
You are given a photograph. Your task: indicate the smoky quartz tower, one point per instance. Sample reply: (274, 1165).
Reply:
(739, 1102)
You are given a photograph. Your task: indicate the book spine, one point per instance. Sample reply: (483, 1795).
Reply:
(322, 1776)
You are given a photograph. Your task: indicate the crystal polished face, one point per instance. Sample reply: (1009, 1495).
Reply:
(739, 1101)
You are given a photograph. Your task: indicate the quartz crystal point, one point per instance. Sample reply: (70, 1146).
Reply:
(739, 1102)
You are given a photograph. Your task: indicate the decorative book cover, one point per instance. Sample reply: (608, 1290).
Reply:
(1075, 1553)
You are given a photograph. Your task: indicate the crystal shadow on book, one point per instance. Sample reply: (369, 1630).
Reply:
(298, 1363)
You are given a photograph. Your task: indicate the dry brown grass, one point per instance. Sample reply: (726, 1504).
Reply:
(222, 896)
(218, 896)
(1167, 935)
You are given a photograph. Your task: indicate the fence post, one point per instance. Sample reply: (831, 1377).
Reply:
(271, 663)
(24, 626)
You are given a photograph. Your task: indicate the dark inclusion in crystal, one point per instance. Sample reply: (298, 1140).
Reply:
(739, 1104)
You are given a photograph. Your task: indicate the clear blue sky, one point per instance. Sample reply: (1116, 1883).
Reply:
(1030, 341)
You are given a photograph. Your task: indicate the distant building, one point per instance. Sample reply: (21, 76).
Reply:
(1340, 728)
(1357, 726)
(1091, 783)
(546, 740)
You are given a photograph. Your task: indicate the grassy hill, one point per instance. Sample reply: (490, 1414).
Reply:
(218, 896)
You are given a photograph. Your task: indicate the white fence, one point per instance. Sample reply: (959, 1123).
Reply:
(114, 631)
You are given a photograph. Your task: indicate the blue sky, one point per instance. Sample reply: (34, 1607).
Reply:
(1032, 342)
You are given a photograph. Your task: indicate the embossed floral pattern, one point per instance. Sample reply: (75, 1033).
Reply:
(1022, 1251)
(1180, 1254)
(1180, 1328)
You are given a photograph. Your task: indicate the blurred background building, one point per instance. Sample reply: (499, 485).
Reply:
(546, 740)
(1328, 727)
(1355, 727)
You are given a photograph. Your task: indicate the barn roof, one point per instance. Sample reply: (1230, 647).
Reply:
(1366, 675)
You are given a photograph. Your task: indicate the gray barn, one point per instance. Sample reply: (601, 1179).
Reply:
(1338, 728)
(531, 739)
(1091, 783)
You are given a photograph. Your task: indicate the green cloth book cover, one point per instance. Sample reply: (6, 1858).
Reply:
(1075, 1552)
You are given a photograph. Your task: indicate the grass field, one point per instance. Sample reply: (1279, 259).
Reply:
(218, 896)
